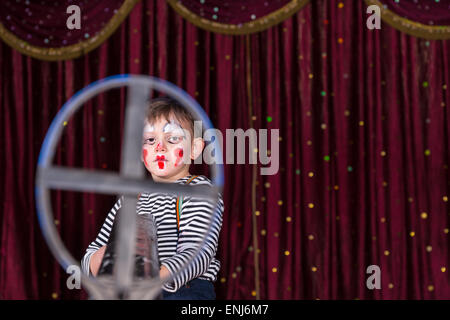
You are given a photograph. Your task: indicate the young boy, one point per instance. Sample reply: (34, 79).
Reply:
(164, 152)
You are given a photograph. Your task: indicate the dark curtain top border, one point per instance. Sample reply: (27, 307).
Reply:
(257, 25)
(410, 27)
(70, 51)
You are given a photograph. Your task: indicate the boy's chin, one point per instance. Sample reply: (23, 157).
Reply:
(163, 176)
(166, 174)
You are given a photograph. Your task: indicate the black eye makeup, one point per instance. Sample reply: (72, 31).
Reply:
(149, 141)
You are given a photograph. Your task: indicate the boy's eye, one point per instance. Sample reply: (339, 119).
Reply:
(149, 141)
(174, 139)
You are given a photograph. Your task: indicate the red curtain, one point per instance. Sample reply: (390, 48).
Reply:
(364, 146)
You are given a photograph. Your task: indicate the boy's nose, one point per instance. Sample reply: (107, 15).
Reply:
(160, 146)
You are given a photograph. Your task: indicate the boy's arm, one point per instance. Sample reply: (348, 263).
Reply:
(94, 253)
(194, 222)
(96, 260)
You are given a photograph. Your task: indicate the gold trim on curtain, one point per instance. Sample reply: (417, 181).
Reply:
(254, 171)
(411, 27)
(71, 51)
(249, 27)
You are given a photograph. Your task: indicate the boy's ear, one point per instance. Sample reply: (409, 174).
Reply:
(197, 147)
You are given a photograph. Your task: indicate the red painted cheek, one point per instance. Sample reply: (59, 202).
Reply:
(144, 155)
(179, 157)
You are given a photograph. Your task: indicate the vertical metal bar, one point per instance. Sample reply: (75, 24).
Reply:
(131, 167)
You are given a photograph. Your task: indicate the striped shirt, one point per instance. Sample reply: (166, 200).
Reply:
(174, 249)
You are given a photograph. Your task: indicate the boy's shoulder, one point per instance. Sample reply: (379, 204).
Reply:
(202, 180)
(192, 179)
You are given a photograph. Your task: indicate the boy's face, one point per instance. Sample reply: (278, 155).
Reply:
(166, 149)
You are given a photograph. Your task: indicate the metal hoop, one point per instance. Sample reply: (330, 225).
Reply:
(130, 182)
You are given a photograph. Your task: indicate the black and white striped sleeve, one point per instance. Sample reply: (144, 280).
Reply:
(194, 224)
(102, 237)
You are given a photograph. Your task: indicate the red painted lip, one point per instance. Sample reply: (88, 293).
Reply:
(160, 158)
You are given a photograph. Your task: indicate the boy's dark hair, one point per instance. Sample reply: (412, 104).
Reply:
(165, 107)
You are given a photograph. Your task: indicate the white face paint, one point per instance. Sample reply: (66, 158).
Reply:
(149, 128)
(173, 128)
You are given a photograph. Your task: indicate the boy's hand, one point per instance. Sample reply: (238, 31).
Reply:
(97, 257)
(164, 272)
(96, 260)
